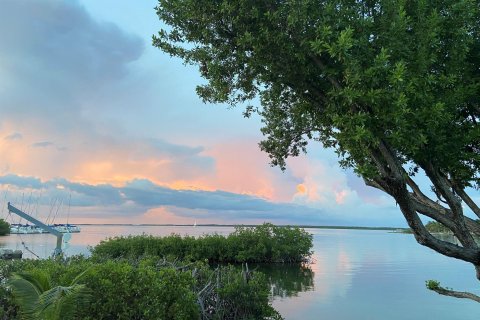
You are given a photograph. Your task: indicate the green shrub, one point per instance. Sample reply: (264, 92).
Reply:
(432, 284)
(126, 291)
(4, 227)
(264, 243)
(228, 292)
(150, 288)
(244, 295)
(119, 289)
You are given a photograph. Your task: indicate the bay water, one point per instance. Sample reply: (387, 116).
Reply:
(355, 274)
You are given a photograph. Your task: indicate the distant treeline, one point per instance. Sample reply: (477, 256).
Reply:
(264, 243)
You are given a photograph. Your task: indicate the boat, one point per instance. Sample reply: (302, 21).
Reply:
(18, 228)
(33, 229)
(66, 228)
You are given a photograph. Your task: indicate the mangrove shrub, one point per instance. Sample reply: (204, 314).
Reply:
(148, 288)
(264, 243)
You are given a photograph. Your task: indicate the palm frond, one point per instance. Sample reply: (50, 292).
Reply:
(26, 290)
(63, 302)
(39, 280)
(37, 299)
(80, 276)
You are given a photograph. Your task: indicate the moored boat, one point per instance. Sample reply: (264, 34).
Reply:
(32, 229)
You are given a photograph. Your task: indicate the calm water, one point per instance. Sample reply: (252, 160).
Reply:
(357, 274)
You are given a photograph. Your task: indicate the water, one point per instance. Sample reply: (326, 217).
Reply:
(357, 274)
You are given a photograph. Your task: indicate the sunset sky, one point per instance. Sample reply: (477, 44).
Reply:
(96, 122)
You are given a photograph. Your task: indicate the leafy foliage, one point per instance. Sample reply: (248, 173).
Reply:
(132, 278)
(38, 299)
(126, 291)
(226, 293)
(432, 284)
(4, 227)
(392, 86)
(348, 73)
(264, 243)
(146, 288)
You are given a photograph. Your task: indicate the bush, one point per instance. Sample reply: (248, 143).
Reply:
(264, 243)
(120, 290)
(245, 296)
(150, 288)
(126, 291)
(4, 227)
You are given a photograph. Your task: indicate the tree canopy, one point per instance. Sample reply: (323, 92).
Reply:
(393, 86)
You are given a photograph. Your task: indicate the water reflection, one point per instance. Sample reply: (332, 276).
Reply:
(287, 280)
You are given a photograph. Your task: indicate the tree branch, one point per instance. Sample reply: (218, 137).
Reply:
(435, 286)
(392, 161)
(435, 211)
(322, 67)
(469, 254)
(443, 217)
(466, 198)
(373, 184)
(426, 200)
(396, 185)
(442, 185)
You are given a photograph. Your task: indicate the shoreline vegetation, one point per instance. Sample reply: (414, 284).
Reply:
(4, 228)
(242, 225)
(146, 277)
(434, 227)
(265, 243)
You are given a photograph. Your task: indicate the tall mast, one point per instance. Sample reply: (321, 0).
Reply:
(58, 234)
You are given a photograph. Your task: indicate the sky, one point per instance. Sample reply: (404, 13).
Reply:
(98, 126)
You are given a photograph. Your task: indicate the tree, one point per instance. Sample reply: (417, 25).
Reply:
(4, 227)
(393, 86)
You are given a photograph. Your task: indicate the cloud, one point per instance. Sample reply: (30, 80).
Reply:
(14, 136)
(367, 194)
(21, 182)
(103, 158)
(140, 196)
(57, 61)
(42, 144)
(241, 167)
(145, 193)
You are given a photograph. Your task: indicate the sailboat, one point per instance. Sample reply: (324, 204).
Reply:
(195, 224)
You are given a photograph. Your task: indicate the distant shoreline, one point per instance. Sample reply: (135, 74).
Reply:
(235, 225)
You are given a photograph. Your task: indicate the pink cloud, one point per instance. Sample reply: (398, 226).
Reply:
(242, 168)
